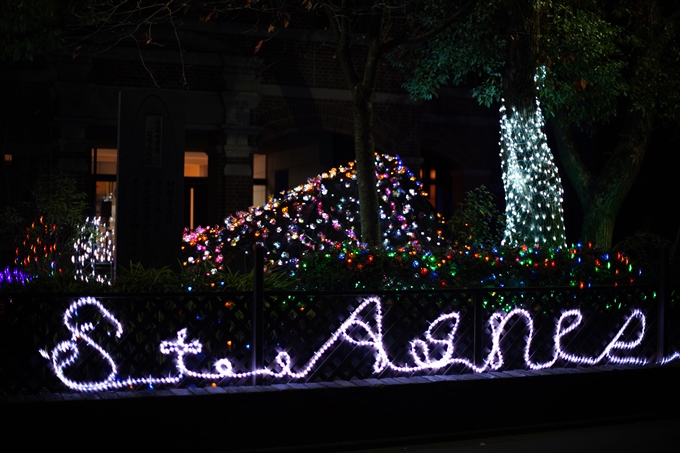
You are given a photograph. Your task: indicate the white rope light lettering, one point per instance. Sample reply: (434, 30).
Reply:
(435, 352)
(67, 352)
(670, 358)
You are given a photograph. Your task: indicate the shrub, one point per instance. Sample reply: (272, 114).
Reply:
(579, 266)
(646, 249)
(477, 222)
(45, 245)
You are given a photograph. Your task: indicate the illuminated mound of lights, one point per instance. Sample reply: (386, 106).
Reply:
(93, 250)
(12, 276)
(320, 214)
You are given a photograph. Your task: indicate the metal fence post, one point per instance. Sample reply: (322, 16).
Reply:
(478, 313)
(257, 343)
(661, 319)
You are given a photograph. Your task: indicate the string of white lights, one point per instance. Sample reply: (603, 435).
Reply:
(361, 329)
(533, 188)
(67, 352)
(670, 358)
(93, 246)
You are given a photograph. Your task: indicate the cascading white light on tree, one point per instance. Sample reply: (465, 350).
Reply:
(533, 188)
(67, 353)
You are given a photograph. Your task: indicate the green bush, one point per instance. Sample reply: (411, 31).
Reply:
(354, 267)
(477, 222)
(59, 208)
(347, 266)
(138, 279)
(646, 249)
(579, 266)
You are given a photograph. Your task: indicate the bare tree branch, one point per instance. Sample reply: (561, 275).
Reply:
(340, 25)
(408, 40)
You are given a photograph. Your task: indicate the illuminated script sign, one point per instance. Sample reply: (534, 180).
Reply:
(421, 354)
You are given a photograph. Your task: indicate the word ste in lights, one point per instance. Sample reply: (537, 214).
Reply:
(422, 358)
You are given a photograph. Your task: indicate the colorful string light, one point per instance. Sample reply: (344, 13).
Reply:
(358, 329)
(10, 276)
(320, 214)
(412, 267)
(38, 249)
(321, 218)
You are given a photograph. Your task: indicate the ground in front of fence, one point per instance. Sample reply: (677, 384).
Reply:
(341, 414)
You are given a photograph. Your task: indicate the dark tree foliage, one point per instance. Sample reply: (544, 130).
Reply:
(32, 27)
(604, 61)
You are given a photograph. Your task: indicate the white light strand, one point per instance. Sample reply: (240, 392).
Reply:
(358, 329)
(93, 247)
(533, 188)
(670, 358)
(67, 352)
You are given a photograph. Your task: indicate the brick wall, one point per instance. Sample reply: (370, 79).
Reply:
(26, 108)
(314, 64)
(238, 192)
(138, 74)
(397, 127)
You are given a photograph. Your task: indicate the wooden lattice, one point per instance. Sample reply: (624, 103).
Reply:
(301, 322)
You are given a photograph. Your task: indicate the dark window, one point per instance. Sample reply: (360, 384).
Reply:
(280, 181)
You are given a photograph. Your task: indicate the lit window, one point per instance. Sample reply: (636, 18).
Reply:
(433, 187)
(195, 164)
(259, 179)
(106, 159)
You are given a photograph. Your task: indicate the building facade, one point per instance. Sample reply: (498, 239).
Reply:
(257, 122)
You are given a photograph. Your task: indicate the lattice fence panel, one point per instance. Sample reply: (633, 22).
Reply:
(304, 322)
(33, 323)
(300, 323)
(25, 327)
(673, 322)
(604, 314)
(408, 317)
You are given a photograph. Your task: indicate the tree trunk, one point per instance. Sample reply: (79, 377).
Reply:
(599, 220)
(364, 148)
(362, 85)
(533, 189)
(608, 192)
(602, 197)
(362, 88)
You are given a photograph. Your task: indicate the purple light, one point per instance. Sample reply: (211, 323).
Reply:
(13, 275)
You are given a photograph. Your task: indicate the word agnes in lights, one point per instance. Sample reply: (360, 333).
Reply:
(364, 327)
